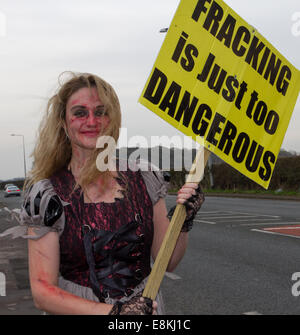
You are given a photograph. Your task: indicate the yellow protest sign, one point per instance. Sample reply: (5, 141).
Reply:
(219, 81)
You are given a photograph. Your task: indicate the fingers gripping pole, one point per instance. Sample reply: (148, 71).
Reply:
(165, 252)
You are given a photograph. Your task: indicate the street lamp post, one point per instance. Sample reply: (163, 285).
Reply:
(23, 151)
(163, 30)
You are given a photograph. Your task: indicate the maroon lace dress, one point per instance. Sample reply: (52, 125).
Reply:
(106, 246)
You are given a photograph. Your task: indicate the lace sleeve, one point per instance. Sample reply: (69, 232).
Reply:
(42, 210)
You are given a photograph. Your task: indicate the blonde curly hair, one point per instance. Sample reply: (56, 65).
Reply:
(53, 148)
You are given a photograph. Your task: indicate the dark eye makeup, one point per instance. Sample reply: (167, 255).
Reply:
(81, 111)
(100, 111)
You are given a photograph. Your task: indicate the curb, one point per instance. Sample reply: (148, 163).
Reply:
(250, 196)
(256, 196)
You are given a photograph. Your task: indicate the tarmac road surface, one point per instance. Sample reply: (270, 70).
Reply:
(241, 258)
(14, 265)
(237, 261)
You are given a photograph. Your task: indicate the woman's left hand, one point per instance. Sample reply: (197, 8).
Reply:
(191, 196)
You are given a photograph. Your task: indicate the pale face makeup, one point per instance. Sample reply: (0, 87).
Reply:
(86, 118)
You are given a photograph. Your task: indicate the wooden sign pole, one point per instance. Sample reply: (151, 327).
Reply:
(165, 252)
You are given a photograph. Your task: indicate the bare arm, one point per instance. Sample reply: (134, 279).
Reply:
(161, 223)
(43, 273)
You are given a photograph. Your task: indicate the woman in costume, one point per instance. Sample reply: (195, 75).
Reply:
(92, 234)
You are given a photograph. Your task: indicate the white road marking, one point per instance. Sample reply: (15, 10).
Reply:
(278, 223)
(240, 216)
(204, 221)
(252, 313)
(270, 216)
(229, 217)
(172, 275)
(273, 233)
(272, 219)
(214, 212)
(282, 228)
(219, 217)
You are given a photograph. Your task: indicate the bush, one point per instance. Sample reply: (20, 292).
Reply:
(286, 176)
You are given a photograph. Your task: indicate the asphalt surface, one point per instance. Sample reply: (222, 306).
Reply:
(232, 265)
(16, 298)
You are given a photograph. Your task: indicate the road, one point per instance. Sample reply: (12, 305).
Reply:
(17, 299)
(239, 261)
(233, 265)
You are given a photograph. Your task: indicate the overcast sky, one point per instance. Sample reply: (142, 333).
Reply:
(116, 39)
